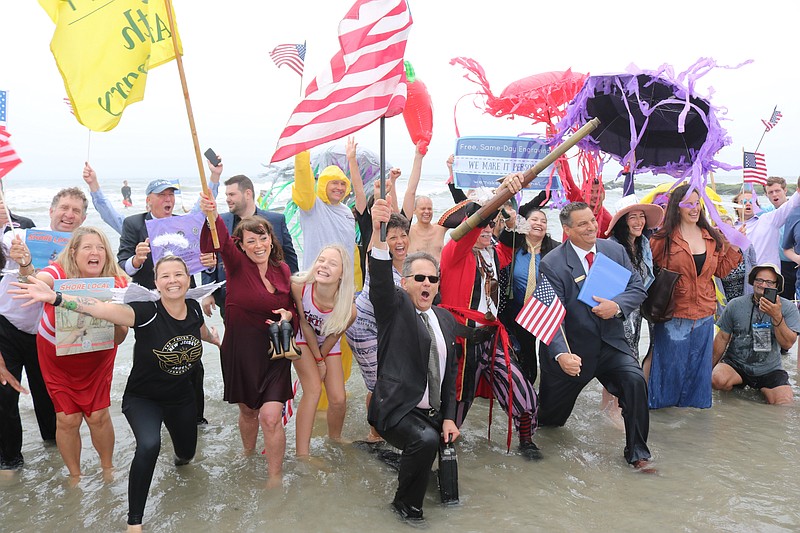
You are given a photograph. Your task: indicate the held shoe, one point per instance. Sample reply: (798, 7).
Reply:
(290, 349)
(276, 348)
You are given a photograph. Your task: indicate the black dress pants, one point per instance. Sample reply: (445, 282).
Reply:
(622, 376)
(417, 435)
(19, 351)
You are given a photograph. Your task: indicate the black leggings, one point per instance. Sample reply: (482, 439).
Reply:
(145, 417)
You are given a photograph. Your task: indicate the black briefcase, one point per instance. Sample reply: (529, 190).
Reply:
(448, 473)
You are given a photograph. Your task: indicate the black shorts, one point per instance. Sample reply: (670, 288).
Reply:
(773, 379)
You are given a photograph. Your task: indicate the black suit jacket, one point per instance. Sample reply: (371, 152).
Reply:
(282, 234)
(585, 330)
(403, 351)
(134, 231)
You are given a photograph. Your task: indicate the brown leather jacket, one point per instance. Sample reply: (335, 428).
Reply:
(695, 295)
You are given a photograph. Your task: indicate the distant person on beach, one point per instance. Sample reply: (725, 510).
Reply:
(324, 296)
(80, 384)
(256, 375)
(680, 367)
(591, 343)
(752, 333)
(470, 290)
(126, 194)
(239, 195)
(18, 327)
(414, 403)
(169, 334)
(425, 235)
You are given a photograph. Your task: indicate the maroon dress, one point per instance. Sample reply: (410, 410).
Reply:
(249, 375)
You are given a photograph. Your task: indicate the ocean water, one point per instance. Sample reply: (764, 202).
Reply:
(728, 468)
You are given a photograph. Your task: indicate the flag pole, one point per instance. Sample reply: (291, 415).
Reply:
(7, 211)
(301, 74)
(383, 172)
(765, 129)
(212, 226)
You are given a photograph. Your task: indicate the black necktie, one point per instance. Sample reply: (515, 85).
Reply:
(434, 382)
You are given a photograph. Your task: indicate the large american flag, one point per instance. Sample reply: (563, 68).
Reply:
(755, 168)
(291, 55)
(365, 79)
(544, 312)
(8, 156)
(773, 120)
(3, 109)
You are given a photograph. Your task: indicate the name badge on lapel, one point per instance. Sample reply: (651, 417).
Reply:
(580, 278)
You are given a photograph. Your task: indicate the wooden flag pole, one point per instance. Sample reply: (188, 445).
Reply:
(7, 211)
(211, 223)
(502, 195)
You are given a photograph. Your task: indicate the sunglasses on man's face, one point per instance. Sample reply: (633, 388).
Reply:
(419, 278)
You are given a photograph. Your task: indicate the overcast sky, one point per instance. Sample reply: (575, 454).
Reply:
(242, 101)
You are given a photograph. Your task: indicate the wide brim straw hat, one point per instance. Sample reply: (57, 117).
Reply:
(653, 214)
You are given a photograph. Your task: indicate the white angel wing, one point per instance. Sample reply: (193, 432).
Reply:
(134, 293)
(198, 293)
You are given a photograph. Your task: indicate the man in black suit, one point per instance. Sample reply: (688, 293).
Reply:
(595, 337)
(240, 196)
(416, 358)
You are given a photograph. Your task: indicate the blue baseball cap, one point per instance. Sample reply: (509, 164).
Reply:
(157, 186)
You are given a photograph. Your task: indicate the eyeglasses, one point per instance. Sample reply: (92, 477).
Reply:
(492, 223)
(765, 282)
(419, 278)
(745, 201)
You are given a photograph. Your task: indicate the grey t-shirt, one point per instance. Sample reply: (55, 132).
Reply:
(737, 320)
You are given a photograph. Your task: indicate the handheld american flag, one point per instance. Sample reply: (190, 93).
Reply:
(291, 55)
(755, 168)
(363, 83)
(8, 156)
(544, 312)
(773, 120)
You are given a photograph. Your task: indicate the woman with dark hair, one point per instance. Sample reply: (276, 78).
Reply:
(169, 333)
(680, 372)
(258, 295)
(627, 228)
(531, 243)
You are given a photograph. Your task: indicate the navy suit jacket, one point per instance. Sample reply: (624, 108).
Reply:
(586, 331)
(403, 351)
(282, 234)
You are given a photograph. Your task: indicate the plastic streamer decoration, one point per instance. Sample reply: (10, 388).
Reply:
(541, 97)
(654, 120)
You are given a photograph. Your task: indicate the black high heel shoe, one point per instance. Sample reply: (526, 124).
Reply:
(276, 347)
(290, 349)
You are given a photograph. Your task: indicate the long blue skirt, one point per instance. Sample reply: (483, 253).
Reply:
(680, 372)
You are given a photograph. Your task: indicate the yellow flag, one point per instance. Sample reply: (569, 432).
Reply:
(104, 51)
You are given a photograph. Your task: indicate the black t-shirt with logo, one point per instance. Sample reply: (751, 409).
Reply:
(166, 350)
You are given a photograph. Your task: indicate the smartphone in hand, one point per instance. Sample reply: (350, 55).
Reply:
(212, 157)
(771, 294)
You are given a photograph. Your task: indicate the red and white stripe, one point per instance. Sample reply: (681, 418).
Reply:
(364, 81)
(8, 156)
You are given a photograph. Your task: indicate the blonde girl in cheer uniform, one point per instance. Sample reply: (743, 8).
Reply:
(324, 298)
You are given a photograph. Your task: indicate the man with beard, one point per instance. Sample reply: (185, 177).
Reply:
(752, 332)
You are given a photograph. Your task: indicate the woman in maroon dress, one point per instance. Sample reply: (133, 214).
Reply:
(80, 383)
(258, 290)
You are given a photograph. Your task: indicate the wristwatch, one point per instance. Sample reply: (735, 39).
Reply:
(619, 312)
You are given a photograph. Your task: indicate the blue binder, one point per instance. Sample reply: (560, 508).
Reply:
(606, 279)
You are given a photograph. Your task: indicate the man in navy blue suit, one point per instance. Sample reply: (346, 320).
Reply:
(240, 196)
(595, 345)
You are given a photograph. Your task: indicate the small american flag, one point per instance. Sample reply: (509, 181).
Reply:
(544, 312)
(773, 120)
(8, 156)
(291, 55)
(3, 111)
(288, 407)
(364, 81)
(755, 168)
